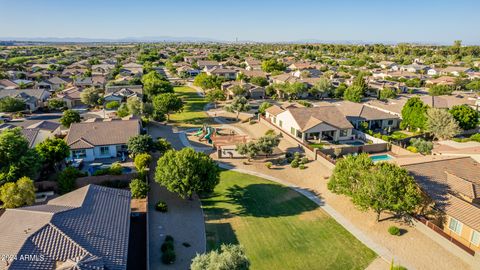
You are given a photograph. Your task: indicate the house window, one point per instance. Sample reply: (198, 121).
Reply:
(274, 120)
(475, 238)
(455, 226)
(293, 131)
(104, 150)
(343, 132)
(79, 153)
(390, 122)
(280, 123)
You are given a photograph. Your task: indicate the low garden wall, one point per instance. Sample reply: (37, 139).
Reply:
(368, 148)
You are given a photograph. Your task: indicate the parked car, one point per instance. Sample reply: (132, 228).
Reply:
(5, 118)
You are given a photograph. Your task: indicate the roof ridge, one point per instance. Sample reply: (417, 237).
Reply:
(67, 237)
(437, 160)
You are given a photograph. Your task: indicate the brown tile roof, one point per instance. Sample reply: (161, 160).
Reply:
(434, 179)
(362, 112)
(327, 114)
(88, 134)
(274, 110)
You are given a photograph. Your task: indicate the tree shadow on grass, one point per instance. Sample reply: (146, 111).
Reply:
(269, 200)
(220, 233)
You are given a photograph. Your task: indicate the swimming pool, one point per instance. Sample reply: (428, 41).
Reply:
(378, 158)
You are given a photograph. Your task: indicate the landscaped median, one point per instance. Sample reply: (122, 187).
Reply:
(279, 228)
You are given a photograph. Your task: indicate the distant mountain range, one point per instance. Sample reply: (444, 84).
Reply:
(189, 39)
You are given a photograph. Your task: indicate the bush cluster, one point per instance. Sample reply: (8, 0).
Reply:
(115, 169)
(394, 230)
(168, 250)
(296, 160)
(161, 206)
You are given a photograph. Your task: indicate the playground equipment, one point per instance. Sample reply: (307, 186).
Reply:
(206, 133)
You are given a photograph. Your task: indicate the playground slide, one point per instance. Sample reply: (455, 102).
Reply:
(209, 133)
(200, 131)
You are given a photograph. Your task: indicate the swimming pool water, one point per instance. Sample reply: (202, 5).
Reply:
(381, 158)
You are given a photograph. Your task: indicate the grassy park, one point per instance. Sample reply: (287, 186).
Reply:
(279, 228)
(192, 114)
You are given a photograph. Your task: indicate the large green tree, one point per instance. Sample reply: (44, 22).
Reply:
(154, 84)
(166, 104)
(438, 90)
(53, 151)
(321, 88)
(466, 116)
(229, 257)
(353, 93)
(90, 96)
(186, 172)
(238, 105)
(16, 158)
(441, 124)
(17, 194)
(272, 65)
(69, 117)
(140, 144)
(10, 104)
(414, 114)
(215, 96)
(380, 187)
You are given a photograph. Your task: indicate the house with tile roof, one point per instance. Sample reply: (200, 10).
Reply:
(85, 229)
(454, 186)
(96, 139)
(311, 124)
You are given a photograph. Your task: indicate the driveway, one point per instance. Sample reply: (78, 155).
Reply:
(184, 219)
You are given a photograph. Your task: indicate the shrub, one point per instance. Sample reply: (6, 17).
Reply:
(302, 166)
(142, 161)
(166, 246)
(66, 179)
(116, 169)
(304, 160)
(270, 132)
(168, 257)
(168, 250)
(385, 138)
(412, 149)
(161, 206)
(112, 105)
(268, 164)
(394, 230)
(475, 137)
(422, 146)
(139, 189)
(294, 163)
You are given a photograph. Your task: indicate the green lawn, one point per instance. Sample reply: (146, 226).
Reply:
(279, 228)
(192, 114)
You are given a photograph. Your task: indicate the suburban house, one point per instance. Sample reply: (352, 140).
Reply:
(87, 228)
(315, 123)
(454, 186)
(455, 71)
(358, 113)
(40, 131)
(102, 69)
(33, 98)
(122, 92)
(251, 90)
(71, 97)
(253, 64)
(386, 64)
(226, 73)
(205, 65)
(95, 139)
(7, 84)
(132, 69)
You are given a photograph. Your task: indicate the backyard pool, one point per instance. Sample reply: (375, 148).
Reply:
(95, 167)
(378, 158)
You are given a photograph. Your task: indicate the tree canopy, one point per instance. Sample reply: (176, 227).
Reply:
(53, 151)
(215, 96)
(207, 82)
(10, 104)
(353, 93)
(414, 114)
(186, 172)
(381, 187)
(139, 144)
(441, 124)
(16, 158)
(238, 105)
(166, 104)
(272, 65)
(466, 116)
(18, 194)
(154, 84)
(90, 96)
(69, 117)
(439, 89)
(229, 257)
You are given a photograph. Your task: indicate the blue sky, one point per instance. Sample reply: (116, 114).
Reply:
(368, 20)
